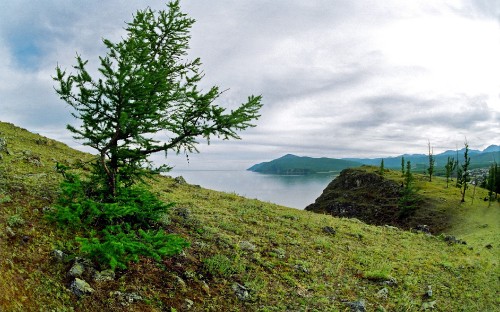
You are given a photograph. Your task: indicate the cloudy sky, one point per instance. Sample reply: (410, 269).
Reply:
(339, 78)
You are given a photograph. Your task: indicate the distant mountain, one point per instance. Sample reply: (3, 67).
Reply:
(420, 161)
(292, 164)
(492, 148)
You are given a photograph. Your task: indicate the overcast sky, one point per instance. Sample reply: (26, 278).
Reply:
(339, 78)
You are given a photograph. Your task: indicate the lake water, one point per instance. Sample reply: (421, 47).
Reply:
(290, 191)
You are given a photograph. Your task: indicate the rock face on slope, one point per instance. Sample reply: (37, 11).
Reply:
(368, 196)
(357, 193)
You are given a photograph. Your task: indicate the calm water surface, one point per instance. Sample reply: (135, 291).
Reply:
(290, 191)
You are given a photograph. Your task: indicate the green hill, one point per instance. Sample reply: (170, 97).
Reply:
(291, 164)
(479, 159)
(245, 255)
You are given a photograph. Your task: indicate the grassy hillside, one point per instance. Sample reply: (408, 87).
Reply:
(365, 194)
(245, 255)
(291, 164)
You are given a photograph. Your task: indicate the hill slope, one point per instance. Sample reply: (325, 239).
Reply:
(365, 194)
(479, 159)
(291, 164)
(245, 255)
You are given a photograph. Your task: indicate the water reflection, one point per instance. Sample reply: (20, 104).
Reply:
(291, 191)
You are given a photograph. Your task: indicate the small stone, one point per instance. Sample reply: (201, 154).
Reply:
(423, 228)
(180, 180)
(125, 298)
(80, 287)
(329, 230)
(184, 213)
(76, 270)
(3, 146)
(247, 246)
(58, 255)
(302, 268)
(390, 282)
(103, 276)
(132, 297)
(453, 240)
(383, 293)
(428, 293)
(357, 306)
(241, 292)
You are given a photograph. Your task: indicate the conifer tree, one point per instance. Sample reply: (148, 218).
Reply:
(449, 168)
(408, 175)
(402, 166)
(491, 181)
(381, 169)
(432, 160)
(465, 171)
(147, 86)
(409, 199)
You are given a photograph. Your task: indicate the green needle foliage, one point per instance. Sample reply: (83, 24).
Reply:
(145, 85)
(432, 161)
(492, 182)
(409, 197)
(402, 166)
(113, 233)
(449, 169)
(465, 176)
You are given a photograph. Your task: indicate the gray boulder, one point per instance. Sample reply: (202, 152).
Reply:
(80, 287)
(241, 292)
(76, 270)
(357, 306)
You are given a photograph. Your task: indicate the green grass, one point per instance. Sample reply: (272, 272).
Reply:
(292, 263)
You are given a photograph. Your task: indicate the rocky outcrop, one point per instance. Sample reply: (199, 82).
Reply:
(357, 193)
(366, 195)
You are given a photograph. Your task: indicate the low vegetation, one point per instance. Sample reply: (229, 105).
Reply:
(244, 255)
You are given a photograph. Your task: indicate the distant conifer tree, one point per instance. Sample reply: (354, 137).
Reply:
(402, 166)
(432, 161)
(465, 171)
(449, 168)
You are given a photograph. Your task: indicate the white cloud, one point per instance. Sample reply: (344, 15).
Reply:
(339, 78)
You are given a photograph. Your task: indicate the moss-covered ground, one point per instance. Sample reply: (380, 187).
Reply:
(276, 258)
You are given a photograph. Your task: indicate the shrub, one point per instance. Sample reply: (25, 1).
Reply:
(117, 245)
(114, 230)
